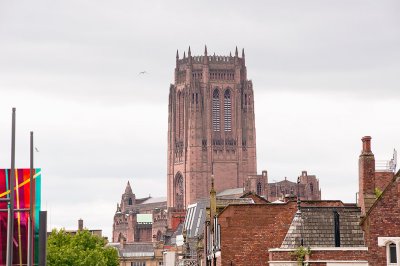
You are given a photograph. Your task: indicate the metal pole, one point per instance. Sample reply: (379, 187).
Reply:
(31, 232)
(42, 237)
(10, 222)
(28, 259)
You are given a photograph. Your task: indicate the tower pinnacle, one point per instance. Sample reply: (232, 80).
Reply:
(128, 188)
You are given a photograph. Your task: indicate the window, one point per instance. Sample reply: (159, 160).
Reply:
(228, 110)
(138, 263)
(392, 245)
(179, 191)
(130, 201)
(259, 189)
(392, 253)
(216, 111)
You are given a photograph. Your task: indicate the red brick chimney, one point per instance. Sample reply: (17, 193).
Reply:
(366, 164)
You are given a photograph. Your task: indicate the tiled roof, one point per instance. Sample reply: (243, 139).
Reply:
(316, 227)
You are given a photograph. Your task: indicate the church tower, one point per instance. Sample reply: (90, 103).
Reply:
(211, 127)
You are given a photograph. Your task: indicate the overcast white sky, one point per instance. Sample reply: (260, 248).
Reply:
(325, 73)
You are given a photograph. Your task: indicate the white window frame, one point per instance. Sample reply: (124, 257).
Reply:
(385, 242)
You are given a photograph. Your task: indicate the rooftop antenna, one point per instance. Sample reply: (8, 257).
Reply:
(393, 162)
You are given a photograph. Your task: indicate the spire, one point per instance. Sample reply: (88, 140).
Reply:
(213, 202)
(128, 188)
(243, 53)
(189, 53)
(177, 54)
(184, 54)
(205, 58)
(236, 52)
(230, 54)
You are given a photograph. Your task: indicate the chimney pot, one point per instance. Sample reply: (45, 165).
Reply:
(366, 142)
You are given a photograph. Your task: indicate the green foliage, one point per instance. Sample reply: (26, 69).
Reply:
(301, 253)
(82, 249)
(378, 192)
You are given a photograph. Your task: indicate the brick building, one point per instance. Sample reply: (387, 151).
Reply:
(211, 127)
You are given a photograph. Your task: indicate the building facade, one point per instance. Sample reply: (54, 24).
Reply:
(139, 220)
(211, 127)
(307, 187)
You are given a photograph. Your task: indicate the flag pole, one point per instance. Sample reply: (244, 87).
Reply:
(31, 228)
(10, 221)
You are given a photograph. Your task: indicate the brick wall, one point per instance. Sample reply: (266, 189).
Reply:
(322, 256)
(248, 231)
(382, 221)
(382, 179)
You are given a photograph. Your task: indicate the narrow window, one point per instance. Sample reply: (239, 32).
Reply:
(392, 253)
(216, 111)
(179, 191)
(336, 228)
(227, 111)
(130, 201)
(181, 115)
(259, 189)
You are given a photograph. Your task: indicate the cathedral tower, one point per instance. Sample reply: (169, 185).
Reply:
(211, 127)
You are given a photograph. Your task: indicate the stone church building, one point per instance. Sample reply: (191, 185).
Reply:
(139, 220)
(211, 131)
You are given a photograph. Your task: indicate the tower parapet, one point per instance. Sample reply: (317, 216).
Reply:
(219, 67)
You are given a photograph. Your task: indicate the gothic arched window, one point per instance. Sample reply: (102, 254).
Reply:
(181, 104)
(130, 201)
(259, 189)
(228, 111)
(216, 111)
(178, 191)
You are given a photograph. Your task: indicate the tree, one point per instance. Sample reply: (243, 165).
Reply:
(82, 249)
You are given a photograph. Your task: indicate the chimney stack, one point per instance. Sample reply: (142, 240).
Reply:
(366, 194)
(80, 224)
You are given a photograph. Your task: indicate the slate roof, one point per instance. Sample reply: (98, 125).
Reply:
(231, 192)
(136, 250)
(195, 218)
(316, 227)
(154, 200)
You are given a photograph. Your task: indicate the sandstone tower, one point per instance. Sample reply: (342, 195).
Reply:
(211, 127)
